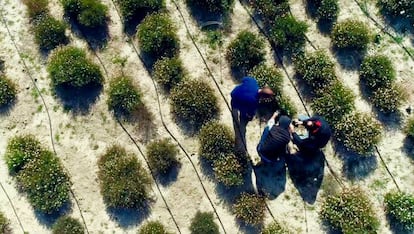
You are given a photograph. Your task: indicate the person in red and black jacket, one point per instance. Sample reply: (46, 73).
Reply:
(319, 133)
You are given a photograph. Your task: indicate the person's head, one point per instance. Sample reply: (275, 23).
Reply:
(266, 92)
(284, 122)
(312, 126)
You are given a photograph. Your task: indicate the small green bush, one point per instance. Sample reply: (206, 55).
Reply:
(351, 34)
(250, 208)
(194, 102)
(124, 97)
(328, 10)
(275, 228)
(350, 212)
(398, 8)
(388, 99)
(157, 36)
(4, 224)
(124, 183)
(203, 223)
(377, 71)
(269, 10)
(359, 133)
(212, 6)
(36, 8)
(137, 9)
(400, 207)
(168, 72)
(69, 66)
(245, 51)
(216, 141)
(286, 105)
(20, 151)
(88, 13)
(153, 227)
(67, 225)
(229, 170)
(162, 155)
(49, 32)
(268, 76)
(335, 102)
(288, 34)
(409, 128)
(8, 91)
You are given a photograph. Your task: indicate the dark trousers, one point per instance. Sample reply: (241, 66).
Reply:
(239, 124)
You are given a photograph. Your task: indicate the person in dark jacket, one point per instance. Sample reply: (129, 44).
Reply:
(319, 133)
(274, 139)
(244, 102)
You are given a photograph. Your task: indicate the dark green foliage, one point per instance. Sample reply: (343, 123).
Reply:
(335, 102)
(400, 207)
(275, 228)
(245, 51)
(250, 208)
(228, 170)
(351, 34)
(153, 227)
(68, 225)
(49, 32)
(409, 128)
(203, 223)
(88, 13)
(36, 8)
(359, 133)
(268, 76)
(124, 97)
(398, 8)
(388, 99)
(20, 151)
(168, 71)
(157, 36)
(270, 10)
(194, 102)
(124, 183)
(162, 155)
(4, 224)
(216, 141)
(212, 6)
(8, 91)
(350, 212)
(328, 10)
(285, 105)
(288, 34)
(377, 71)
(137, 9)
(69, 66)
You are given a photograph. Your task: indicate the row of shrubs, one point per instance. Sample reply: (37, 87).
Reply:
(324, 10)
(89, 14)
(222, 7)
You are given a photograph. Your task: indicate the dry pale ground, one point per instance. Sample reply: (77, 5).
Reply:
(81, 138)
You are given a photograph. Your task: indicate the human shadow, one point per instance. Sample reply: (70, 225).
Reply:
(78, 100)
(306, 171)
(49, 219)
(271, 178)
(408, 147)
(127, 217)
(349, 59)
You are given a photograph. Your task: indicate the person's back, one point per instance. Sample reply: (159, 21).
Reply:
(319, 134)
(245, 97)
(274, 146)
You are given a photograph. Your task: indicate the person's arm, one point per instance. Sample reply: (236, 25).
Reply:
(307, 143)
(271, 122)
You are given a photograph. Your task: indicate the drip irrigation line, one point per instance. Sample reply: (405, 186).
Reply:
(14, 209)
(46, 108)
(386, 167)
(306, 37)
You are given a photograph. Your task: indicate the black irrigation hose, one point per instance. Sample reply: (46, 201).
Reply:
(386, 167)
(47, 111)
(14, 209)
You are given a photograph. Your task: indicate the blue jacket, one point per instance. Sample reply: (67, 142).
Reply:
(245, 97)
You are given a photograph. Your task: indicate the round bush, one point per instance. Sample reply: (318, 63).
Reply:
(334, 103)
(138, 9)
(8, 91)
(377, 71)
(268, 76)
(36, 8)
(124, 97)
(67, 225)
(168, 72)
(212, 6)
(409, 128)
(88, 13)
(350, 34)
(194, 102)
(203, 223)
(245, 51)
(153, 227)
(69, 66)
(286, 106)
(388, 99)
(359, 133)
(288, 34)
(20, 151)
(400, 207)
(250, 208)
(275, 228)
(49, 32)
(269, 10)
(124, 183)
(328, 10)
(229, 170)
(216, 141)
(350, 212)
(157, 36)
(162, 155)
(4, 224)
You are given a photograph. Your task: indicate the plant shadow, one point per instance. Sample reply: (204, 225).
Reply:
(204, 18)
(408, 147)
(78, 101)
(127, 217)
(400, 25)
(325, 26)
(396, 227)
(349, 59)
(97, 37)
(49, 219)
(6, 109)
(167, 178)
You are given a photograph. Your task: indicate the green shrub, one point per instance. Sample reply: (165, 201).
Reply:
(157, 36)
(153, 227)
(285, 105)
(212, 6)
(328, 10)
(124, 97)
(137, 9)
(350, 212)
(216, 140)
(162, 155)
(275, 228)
(335, 102)
(168, 72)
(288, 34)
(398, 8)
(268, 76)
(194, 102)
(4, 224)
(88, 13)
(67, 225)
(36, 8)
(388, 99)
(400, 207)
(8, 91)
(49, 32)
(20, 151)
(245, 51)
(359, 133)
(229, 170)
(377, 71)
(350, 34)
(124, 183)
(409, 128)
(69, 66)
(269, 10)
(203, 223)
(250, 208)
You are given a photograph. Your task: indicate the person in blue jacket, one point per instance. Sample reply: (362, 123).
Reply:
(244, 102)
